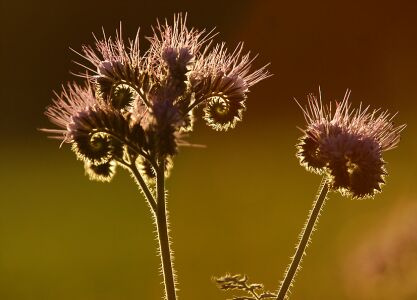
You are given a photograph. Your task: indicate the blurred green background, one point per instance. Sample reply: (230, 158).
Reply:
(236, 206)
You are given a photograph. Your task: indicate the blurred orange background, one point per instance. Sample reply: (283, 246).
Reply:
(236, 206)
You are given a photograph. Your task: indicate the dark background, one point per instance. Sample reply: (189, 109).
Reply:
(237, 205)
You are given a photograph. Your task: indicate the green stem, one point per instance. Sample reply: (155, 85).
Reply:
(163, 237)
(304, 241)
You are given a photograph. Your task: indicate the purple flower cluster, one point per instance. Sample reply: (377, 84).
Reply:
(347, 144)
(136, 107)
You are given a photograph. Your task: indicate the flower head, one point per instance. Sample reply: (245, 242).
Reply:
(224, 78)
(346, 145)
(135, 107)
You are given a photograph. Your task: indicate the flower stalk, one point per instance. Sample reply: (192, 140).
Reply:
(163, 234)
(304, 241)
(143, 187)
(159, 212)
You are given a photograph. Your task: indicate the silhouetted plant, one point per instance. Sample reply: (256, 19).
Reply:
(253, 291)
(134, 108)
(344, 145)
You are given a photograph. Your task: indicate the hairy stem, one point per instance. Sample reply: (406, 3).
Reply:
(163, 237)
(141, 182)
(304, 240)
(200, 101)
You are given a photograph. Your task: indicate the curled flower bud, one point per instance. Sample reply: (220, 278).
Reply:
(221, 114)
(112, 73)
(72, 100)
(221, 74)
(102, 172)
(347, 145)
(96, 149)
(113, 59)
(122, 97)
(355, 164)
(104, 88)
(309, 154)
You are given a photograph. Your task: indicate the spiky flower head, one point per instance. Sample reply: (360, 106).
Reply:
(135, 107)
(346, 144)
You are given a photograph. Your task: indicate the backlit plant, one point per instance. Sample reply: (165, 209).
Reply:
(345, 146)
(133, 109)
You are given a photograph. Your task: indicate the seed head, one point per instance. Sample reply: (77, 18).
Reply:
(346, 145)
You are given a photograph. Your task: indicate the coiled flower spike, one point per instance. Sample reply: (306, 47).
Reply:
(152, 95)
(347, 145)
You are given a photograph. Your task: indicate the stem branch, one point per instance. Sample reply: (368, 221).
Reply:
(141, 182)
(304, 241)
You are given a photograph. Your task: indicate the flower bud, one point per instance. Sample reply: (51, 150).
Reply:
(222, 114)
(102, 172)
(96, 149)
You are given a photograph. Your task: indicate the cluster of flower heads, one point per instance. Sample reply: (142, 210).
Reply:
(347, 144)
(137, 106)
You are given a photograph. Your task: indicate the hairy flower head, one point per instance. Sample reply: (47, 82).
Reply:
(346, 145)
(136, 106)
(224, 78)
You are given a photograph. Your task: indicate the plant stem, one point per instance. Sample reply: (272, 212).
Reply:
(304, 240)
(142, 184)
(163, 237)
